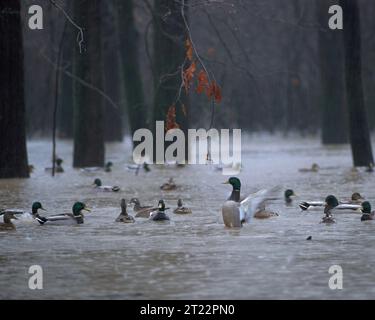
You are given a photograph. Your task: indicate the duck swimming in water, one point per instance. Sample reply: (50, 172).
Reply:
(160, 215)
(74, 218)
(288, 194)
(367, 213)
(331, 202)
(170, 185)
(236, 212)
(352, 205)
(124, 216)
(7, 224)
(58, 166)
(314, 168)
(141, 211)
(181, 209)
(98, 185)
(24, 215)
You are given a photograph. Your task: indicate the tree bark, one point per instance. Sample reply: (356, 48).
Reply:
(332, 98)
(128, 43)
(169, 54)
(13, 153)
(358, 125)
(88, 105)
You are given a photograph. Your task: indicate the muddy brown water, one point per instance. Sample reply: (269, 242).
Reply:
(193, 256)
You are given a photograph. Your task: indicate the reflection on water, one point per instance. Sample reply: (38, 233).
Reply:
(193, 256)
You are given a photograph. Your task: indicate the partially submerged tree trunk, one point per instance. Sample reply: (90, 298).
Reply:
(332, 98)
(168, 57)
(358, 124)
(13, 154)
(128, 43)
(88, 105)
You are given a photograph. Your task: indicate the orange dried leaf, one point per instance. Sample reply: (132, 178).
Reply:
(188, 76)
(171, 119)
(202, 82)
(214, 91)
(189, 49)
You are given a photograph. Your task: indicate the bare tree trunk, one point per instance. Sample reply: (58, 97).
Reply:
(111, 76)
(88, 106)
(332, 99)
(169, 54)
(128, 42)
(13, 154)
(358, 125)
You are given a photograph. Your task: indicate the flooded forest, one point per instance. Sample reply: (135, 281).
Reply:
(187, 149)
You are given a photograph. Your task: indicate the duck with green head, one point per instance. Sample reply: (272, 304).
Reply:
(288, 196)
(124, 216)
(331, 202)
(8, 225)
(367, 213)
(98, 185)
(160, 215)
(236, 212)
(108, 166)
(236, 189)
(28, 216)
(74, 218)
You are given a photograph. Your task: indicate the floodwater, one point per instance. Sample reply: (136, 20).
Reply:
(193, 256)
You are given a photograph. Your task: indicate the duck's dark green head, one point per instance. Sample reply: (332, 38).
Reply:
(98, 182)
(332, 201)
(289, 193)
(36, 206)
(78, 207)
(235, 182)
(356, 196)
(59, 161)
(161, 205)
(109, 164)
(366, 207)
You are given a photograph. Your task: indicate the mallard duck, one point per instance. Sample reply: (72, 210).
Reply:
(98, 185)
(170, 185)
(160, 215)
(236, 189)
(331, 202)
(314, 168)
(58, 167)
(181, 209)
(236, 212)
(8, 224)
(74, 218)
(356, 198)
(141, 211)
(108, 166)
(24, 215)
(367, 213)
(124, 216)
(370, 167)
(288, 194)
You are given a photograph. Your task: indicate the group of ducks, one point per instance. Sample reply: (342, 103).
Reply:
(237, 210)
(77, 216)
